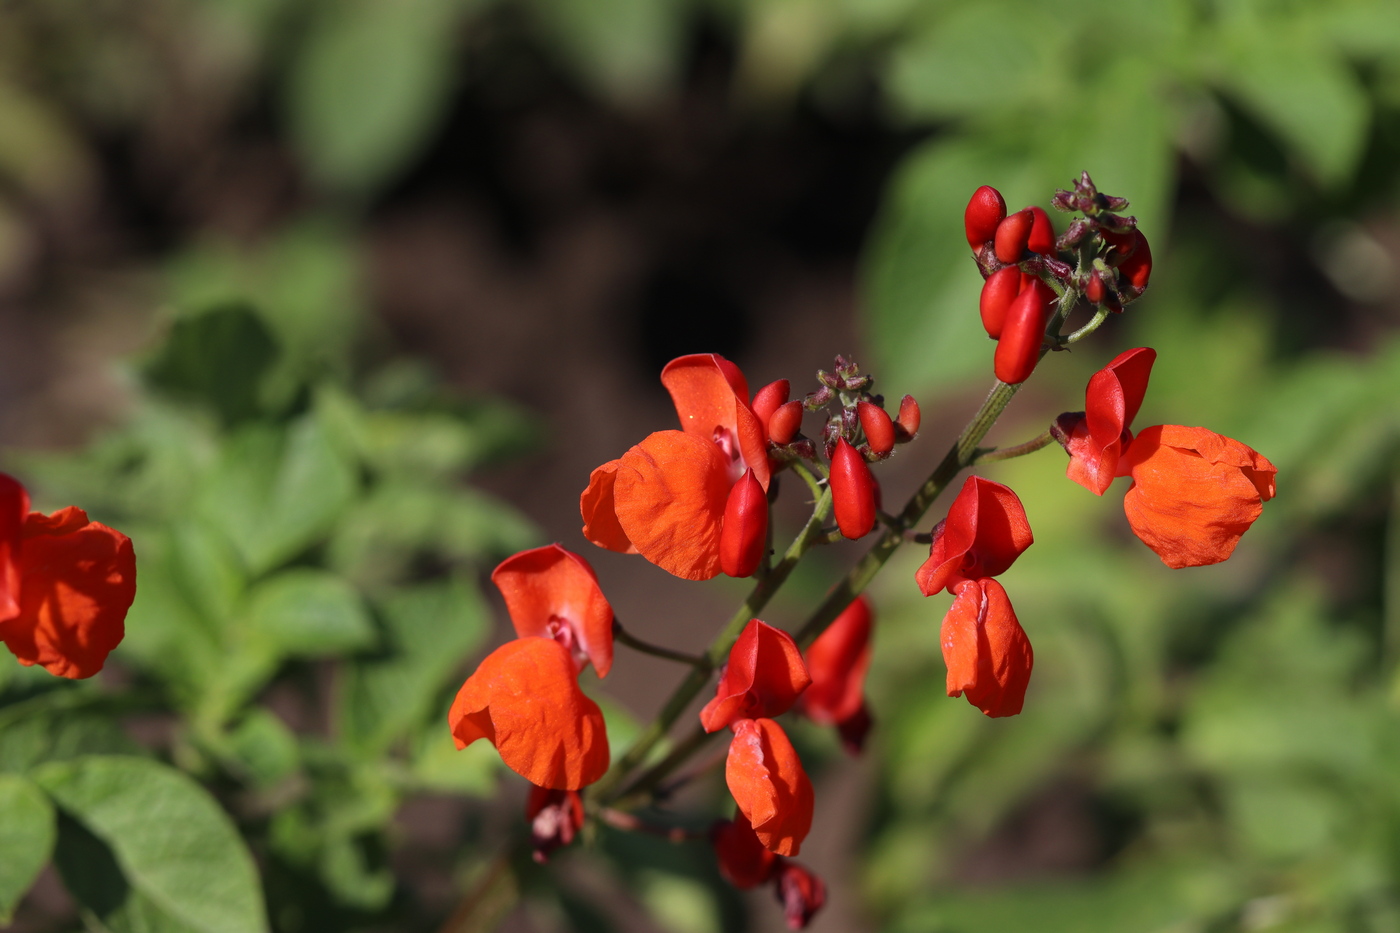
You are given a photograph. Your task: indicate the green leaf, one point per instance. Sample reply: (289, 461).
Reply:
(26, 839)
(370, 86)
(218, 357)
(171, 841)
(31, 735)
(309, 613)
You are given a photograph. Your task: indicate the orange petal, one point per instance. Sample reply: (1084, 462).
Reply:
(14, 506)
(78, 581)
(987, 653)
(524, 699)
(768, 783)
(599, 515)
(670, 495)
(764, 677)
(550, 586)
(711, 393)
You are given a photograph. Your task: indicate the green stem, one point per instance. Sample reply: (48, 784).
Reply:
(812, 482)
(995, 455)
(636, 644)
(1094, 323)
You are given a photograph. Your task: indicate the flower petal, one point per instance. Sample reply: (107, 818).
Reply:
(14, 506)
(711, 393)
(987, 652)
(743, 860)
(764, 677)
(985, 531)
(600, 523)
(553, 585)
(524, 699)
(837, 661)
(669, 496)
(768, 783)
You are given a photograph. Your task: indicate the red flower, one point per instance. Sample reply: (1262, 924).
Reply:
(766, 778)
(66, 584)
(801, 892)
(985, 531)
(525, 700)
(743, 861)
(988, 655)
(763, 678)
(1194, 492)
(837, 661)
(665, 498)
(555, 817)
(552, 592)
(1096, 437)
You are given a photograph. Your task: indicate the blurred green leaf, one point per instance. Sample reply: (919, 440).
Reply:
(628, 49)
(264, 747)
(26, 839)
(170, 839)
(34, 733)
(309, 614)
(218, 357)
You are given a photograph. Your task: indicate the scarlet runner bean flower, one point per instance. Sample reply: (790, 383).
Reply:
(838, 661)
(745, 863)
(66, 584)
(1095, 438)
(553, 593)
(764, 677)
(525, 700)
(766, 778)
(988, 656)
(665, 498)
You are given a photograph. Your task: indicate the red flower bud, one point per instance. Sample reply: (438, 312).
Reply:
(767, 399)
(878, 428)
(1042, 238)
(1012, 235)
(785, 422)
(744, 535)
(852, 491)
(1137, 267)
(1018, 350)
(998, 292)
(801, 893)
(1094, 289)
(909, 418)
(986, 209)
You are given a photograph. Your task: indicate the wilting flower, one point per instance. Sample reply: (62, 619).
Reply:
(665, 498)
(837, 661)
(555, 817)
(988, 655)
(768, 783)
(745, 863)
(763, 678)
(554, 593)
(1096, 437)
(1194, 492)
(66, 584)
(524, 699)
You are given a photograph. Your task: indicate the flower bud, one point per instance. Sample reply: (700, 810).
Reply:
(1137, 267)
(907, 423)
(785, 422)
(1000, 289)
(1018, 350)
(879, 429)
(744, 534)
(986, 209)
(767, 399)
(852, 491)
(1093, 289)
(1042, 238)
(1012, 235)
(801, 892)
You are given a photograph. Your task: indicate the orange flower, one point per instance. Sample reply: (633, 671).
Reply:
(665, 498)
(525, 700)
(837, 661)
(1194, 492)
(764, 677)
(988, 655)
(766, 778)
(554, 593)
(66, 584)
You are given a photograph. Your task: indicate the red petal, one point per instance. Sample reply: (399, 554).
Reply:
(1111, 401)
(837, 661)
(764, 677)
(552, 585)
(600, 523)
(986, 650)
(769, 785)
(14, 506)
(524, 699)
(709, 393)
(985, 531)
(743, 861)
(801, 892)
(670, 494)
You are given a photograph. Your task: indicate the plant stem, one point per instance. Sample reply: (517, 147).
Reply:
(1007, 453)
(636, 644)
(1094, 323)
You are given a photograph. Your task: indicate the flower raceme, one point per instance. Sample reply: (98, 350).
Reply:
(988, 656)
(666, 498)
(837, 662)
(66, 584)
(554, 593)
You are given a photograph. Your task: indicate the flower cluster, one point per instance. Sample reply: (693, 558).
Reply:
(66, 584)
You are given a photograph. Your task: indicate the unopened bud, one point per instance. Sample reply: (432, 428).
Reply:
(986, 209)
(1137, 267)
(785, 422)
(1075, 235)
(1042, 238)
(744, 535)
(1094, 289)
(1018, 350)
(1063, 201)
(907, 422)
(817, 399)
(767, 399)
(878, 428)
(852, 491)
(997, 294)
(1012, 234)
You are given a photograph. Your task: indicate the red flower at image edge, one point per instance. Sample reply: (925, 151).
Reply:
(554, 593)
(66, 584)
(1194, 492)
(665, 498)
(524, 699)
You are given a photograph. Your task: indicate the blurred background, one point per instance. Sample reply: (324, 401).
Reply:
(331, 305)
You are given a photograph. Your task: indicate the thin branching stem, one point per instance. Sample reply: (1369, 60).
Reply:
(636, 644)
